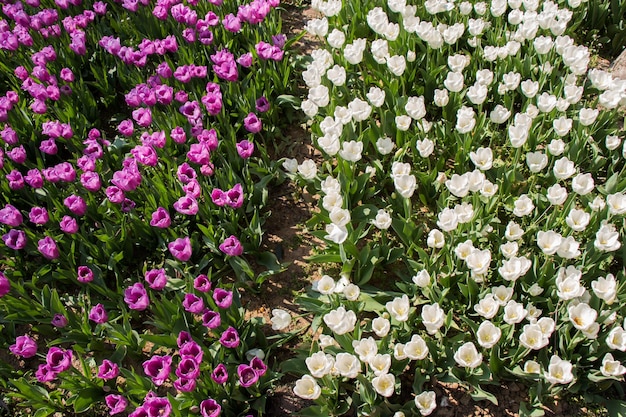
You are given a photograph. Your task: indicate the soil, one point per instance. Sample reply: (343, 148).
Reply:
(287, 237)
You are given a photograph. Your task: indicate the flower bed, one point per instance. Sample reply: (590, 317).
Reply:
(470, 149)
(134, 178)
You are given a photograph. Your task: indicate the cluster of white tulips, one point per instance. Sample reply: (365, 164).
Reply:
(474, 137)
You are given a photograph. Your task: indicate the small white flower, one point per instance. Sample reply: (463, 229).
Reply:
(337, 234)
(616, 203)
(365, 348)
(564, 168)
(319, 364)
(340, 321)
(610, 367)
(523, 206)
(336, 38)
(422, 278)
(577, 219)
(291, 165)
(426, 402)
(532, 367)
(549, 241)
(607, 238)
(385, 145)
(582, 315)
(465, 120)
(432, 317)
(435, 239)
(416, 349)
(380, 363)
(399, 308)
(482, 158)
(281, 319)
(425, 147)
(487, 307)
(384, 384)
(307, 169)
(605, 288)
(382, 220)
(396, 64)
(441, 98)
(467, 356)
(488, 334)
(307, 388)
(381, 326)
(559, 371)
(347, 365)
(556, 147)
(514, 312)
(376, 96)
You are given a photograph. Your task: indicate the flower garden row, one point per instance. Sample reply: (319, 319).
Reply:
(471, 148)
(134, 177)
(466, 145)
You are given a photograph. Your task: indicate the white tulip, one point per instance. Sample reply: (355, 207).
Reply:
(281, 319)
(467, 356)
(432, 317)
(319, 364)
(426, 402)
(381, 326)
(382, 220)
(559, 371)
(399, 308)
(605, 288)
(416, 349)
(488, 334)
(435, 239)
(523, 206)
(380, 364)
(487, 307)
(347, 365)
(607, 238)
(307, 388)
(365, 348)
(337, 234)
(610, 367)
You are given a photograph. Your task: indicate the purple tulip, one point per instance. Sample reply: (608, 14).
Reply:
(10, 216)
(15, 239)
(234, 196)
(16, 180)
(145, 155)
(210, 408)
(220, 374)
(199, 153)
(34, 178)
(158, 407)
(160, 218)
(126, 127)
(191, 350)
(259, 366)
(279, 40)
(48, 248)
(5, 285)
(181, 248)
(91, 181)
(212, 103)
(136, 297)
(156, 279)
(38, 215)
(193, 189)
(223, 298)
(85, 274)
(59, 320)
(185, 385)
(188, 369)
(24, 347)
(232, 23)
(76, 204)
(262, 105)
(193, 304)
(67, 75)
(17, 155)
(231, 246)
(245, 148)
(202, 283)
(186, 205)
(247, 375)
(230, 338)
(245, 60)
(98, 314)
(185, 173)
(252, 123)
(139, 412)
(183, 338)
(45, 374)
(178, 135)
(68, 224)
(158, 368)
(115, 194)
(108, 370)
(49, 146)
(116, 403)
(59, 360)
(211, 319)
(218, 197)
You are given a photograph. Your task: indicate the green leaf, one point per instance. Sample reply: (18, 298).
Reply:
(616, 408)
(479, 394)
(527, 411)
(86, 398)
